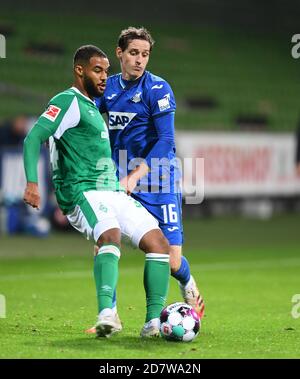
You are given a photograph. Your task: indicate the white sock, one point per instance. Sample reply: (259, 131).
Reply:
(106, 312)
(189, 282)
(155, 322)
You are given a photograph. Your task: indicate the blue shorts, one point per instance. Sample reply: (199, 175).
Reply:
(167, 209)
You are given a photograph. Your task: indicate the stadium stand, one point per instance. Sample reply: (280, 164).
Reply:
(220, 74)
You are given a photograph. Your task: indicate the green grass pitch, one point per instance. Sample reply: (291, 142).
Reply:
(248, 271)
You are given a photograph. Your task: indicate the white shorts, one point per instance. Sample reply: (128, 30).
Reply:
(99, 211)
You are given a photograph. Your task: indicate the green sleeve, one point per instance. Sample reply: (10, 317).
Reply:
(46, 126)
(31, 151)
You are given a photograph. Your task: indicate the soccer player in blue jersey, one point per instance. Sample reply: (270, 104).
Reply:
(141, 110)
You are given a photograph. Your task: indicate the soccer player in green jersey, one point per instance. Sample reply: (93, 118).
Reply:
(89, 193)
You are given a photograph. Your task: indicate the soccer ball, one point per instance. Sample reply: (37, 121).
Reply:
(179, 322)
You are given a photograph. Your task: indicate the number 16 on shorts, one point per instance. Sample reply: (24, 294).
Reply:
(170, 215)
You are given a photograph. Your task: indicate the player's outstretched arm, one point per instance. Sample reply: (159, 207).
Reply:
(130, 181)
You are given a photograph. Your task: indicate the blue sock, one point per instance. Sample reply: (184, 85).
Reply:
(184, 273)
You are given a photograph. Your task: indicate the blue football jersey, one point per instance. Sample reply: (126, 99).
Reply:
(131, 107)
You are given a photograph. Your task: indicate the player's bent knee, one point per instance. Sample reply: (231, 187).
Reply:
(111, 236)
(154, 242)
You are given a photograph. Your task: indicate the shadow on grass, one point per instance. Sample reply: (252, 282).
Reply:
(116, 346)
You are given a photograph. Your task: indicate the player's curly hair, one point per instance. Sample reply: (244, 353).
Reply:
(84, 53)
(127, 35)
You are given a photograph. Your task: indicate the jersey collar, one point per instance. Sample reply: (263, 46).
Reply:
(80, 93)
(126, 84)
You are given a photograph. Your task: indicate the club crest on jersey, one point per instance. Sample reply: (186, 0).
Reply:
(164, 103)
(51, 113)
(137, 97)
(119, 120)
(104, 134)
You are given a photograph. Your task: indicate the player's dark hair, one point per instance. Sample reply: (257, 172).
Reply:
(131, 33)
(84, 53)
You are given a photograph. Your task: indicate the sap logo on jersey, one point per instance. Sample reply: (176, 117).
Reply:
(119, 120)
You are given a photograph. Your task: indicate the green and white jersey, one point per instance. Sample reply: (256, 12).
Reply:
(79, 144)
